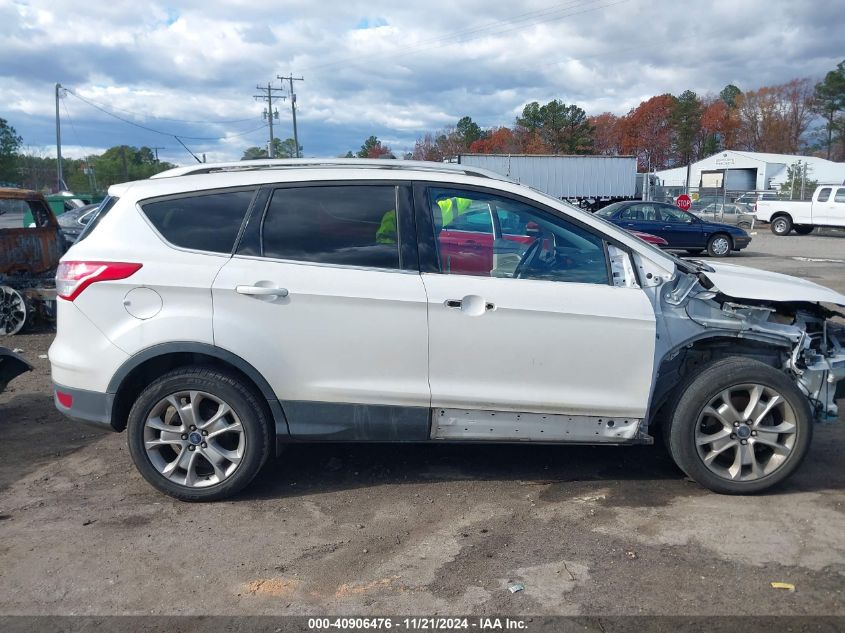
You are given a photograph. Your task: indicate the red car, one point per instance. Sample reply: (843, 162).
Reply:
(654, 240)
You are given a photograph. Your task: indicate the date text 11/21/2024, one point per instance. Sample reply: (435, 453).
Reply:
(418, 623)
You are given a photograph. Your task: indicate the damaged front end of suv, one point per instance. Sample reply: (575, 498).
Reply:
(745, 362)
(708, 312)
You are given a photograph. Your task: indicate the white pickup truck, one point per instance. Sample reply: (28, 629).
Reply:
(827, 208)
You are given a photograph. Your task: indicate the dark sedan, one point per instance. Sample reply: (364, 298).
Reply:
(682, 230)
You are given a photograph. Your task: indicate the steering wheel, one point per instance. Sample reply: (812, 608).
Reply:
(527, 258)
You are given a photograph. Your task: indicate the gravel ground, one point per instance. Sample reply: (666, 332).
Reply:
(355, 529)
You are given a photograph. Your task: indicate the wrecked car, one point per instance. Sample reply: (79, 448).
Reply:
(220, 311)
(12, 365)
(28, 260)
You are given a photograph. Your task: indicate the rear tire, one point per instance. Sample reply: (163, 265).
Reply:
(198, 434)
(719, 245)
(732, 401)
(803, 229)
(781, 225)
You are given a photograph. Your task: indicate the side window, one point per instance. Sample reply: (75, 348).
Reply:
(674, 216)
(840, 195)
(639, 213)
(18, 214)
(204, 221)
(824, 194)
(344, 225)
(522, 242)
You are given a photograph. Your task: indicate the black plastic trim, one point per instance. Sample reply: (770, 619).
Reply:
(346, 422)
(208, 350)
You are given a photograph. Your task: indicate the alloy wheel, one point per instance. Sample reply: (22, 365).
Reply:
(12, 311)
(194, 439)
(746, 432)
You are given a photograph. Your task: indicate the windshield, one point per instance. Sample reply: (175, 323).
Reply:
(609, 210)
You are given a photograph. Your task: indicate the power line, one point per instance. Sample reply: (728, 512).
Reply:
(161, 118)
(155, 131)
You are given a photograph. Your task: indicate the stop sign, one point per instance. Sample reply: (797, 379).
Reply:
(684, 202)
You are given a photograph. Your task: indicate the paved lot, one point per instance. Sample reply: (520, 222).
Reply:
(416, 529)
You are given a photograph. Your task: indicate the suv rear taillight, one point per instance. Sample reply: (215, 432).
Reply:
(74, 277)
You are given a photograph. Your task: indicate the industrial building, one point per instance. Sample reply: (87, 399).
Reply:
(733, 170)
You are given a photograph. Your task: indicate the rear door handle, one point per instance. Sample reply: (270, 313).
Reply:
(458, 304)
(261, 291)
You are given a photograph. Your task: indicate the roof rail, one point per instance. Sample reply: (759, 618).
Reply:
(330, 163)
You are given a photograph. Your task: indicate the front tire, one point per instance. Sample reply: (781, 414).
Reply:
(781, 225)
(198, 434)
(739, 426)
(719, 245)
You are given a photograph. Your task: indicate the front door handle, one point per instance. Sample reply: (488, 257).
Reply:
(471, 304)
(261, 291)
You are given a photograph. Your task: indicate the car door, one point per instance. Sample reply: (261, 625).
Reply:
(640, 216)
(831, 212)
(679, 228)
(542, 334)
(324, 298)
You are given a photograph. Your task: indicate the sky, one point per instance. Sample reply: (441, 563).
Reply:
(395, 69)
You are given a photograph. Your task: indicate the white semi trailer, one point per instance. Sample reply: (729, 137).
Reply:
(590, 181)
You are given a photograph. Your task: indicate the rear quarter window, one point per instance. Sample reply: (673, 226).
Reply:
(202, 221)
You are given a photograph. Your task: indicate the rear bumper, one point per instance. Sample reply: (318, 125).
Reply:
(90, 407)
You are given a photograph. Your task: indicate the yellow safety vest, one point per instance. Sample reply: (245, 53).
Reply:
(451, 208)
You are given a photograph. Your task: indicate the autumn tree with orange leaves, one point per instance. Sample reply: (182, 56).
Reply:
(663, 131)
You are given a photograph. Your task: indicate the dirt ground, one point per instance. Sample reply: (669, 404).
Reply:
(424, 529)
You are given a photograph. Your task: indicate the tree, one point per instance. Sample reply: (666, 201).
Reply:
(426, 149)
(829, 102)
(647, 132)
(281, 149)
(372, 148)
(686, 123)
(563, 128)
(500, 140)
(719, 124)
(729, 95)
(10, 143)
(798, 183)
(775, 118)
(607, 133)
(254, 153)
(468, 131)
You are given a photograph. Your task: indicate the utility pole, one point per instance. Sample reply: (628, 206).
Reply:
(290, 79)
(155, 149)
(267, 95)
(59, 175)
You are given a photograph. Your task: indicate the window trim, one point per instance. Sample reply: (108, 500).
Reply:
(405, 226)
(139, 205)
(429, 259)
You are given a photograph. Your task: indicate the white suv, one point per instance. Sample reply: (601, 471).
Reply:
(219, 312)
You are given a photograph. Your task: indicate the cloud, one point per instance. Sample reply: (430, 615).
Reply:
(380, 67)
